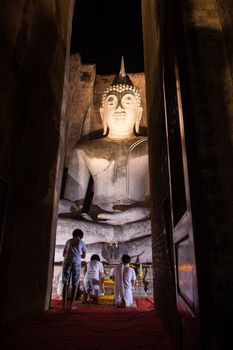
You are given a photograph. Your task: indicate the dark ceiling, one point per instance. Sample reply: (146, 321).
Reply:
(104, 30)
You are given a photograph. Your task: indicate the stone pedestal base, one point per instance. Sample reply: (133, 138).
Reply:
(109, 241)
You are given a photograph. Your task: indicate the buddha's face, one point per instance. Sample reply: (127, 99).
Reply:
(121, 113)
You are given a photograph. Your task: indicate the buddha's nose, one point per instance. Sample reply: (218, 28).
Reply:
(119, 106)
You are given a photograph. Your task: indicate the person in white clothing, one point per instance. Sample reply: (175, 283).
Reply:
(93, 279)
(74, 251)
(124, 277)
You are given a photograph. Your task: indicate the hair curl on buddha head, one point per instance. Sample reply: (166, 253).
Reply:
(122, 83)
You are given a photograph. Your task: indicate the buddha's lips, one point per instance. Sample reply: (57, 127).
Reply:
(120, 115)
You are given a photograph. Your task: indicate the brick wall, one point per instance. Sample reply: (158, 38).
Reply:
(164, 284)
(211, 89)
(225, 9)
(208, 41)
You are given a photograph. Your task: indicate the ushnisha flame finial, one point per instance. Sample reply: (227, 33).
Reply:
(121, 83)
(122, 69)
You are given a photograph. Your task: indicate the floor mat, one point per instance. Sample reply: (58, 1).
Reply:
(91, 327)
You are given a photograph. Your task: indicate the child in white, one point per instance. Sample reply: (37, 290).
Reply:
(94, 274)
(124, 277)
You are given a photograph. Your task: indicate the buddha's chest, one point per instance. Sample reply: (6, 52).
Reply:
(118, 160)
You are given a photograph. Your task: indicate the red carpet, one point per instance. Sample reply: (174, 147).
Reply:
(92, 328)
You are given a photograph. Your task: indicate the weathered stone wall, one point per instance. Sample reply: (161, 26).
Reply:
(80, 102)
(164, 284)
(208, 40)
(225, 8)
(210, 66)
(35, 41)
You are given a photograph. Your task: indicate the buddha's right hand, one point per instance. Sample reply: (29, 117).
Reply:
(130, 215)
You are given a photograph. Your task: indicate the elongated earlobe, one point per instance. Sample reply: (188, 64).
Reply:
(137, 124)
(105, 126)
(105, 130)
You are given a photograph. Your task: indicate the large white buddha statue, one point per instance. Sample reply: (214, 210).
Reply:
(117, 212)
(117, 162)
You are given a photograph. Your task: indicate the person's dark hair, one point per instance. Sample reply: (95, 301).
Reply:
(95, 257)
(78, 233)
(126, 259)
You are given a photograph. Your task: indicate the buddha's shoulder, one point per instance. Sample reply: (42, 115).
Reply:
(104, 143)
(139, 145)
(90, 144)
(140, 140)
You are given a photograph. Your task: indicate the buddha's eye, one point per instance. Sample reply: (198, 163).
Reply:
(128, 99)
(111, 100)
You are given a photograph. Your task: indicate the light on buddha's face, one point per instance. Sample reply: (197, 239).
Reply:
(120, 114)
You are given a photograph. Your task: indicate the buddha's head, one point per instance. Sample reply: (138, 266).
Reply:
(121, 109)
